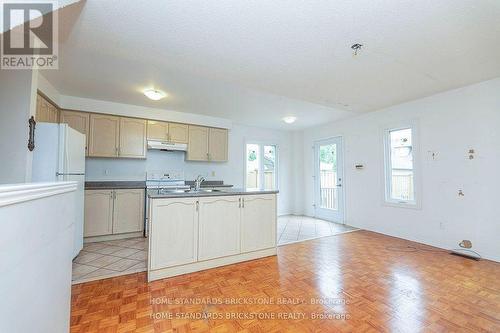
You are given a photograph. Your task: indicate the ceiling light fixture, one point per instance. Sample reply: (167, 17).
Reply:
(154, 94)
(356, 48)
(289, 119)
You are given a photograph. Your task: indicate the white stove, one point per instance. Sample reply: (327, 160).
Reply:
(166, 180)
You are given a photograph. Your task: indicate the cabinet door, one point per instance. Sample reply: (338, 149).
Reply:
(157, 130)
(174, 232)
(178, 133)
(42, 110)
(128, 211)
(104, 135)
(258, 222)
(98, 213)
(198, 144)
(53, 114)
(219, 227)
(78, 121)
(217, 150)
(132, 138)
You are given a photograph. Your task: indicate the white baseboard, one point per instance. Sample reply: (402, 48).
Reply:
(112, 237)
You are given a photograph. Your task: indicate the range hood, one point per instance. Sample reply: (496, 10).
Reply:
(164, 145)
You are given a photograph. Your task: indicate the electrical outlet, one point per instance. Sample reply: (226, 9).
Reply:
(213, 173)
(442, 225)
(106, 172)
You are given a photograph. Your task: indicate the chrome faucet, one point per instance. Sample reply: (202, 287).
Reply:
(197, 182)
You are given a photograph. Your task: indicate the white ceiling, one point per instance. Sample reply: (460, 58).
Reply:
(257, 61)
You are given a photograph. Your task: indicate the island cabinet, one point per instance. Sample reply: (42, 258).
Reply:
(195, 233)
(174, 232)
(219, 227)
(258, 227)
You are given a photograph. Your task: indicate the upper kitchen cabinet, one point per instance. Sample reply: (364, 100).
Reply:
(45, 111)
(157, 130)
(79, 121)
(197, 143)
(112, 136)
(178, 133)
(217, 145)
(207, 144)
(132, 138)
(104, 135)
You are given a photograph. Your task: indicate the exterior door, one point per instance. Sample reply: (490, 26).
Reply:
(328, 180)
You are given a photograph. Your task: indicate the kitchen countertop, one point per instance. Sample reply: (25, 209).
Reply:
(153, 194)
(109, 185)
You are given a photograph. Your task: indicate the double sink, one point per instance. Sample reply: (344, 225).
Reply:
(202, 190)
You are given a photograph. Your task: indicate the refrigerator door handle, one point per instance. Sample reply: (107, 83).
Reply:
(69, 174)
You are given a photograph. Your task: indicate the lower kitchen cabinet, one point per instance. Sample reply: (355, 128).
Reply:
(219, 227)
(173, 232)
(258, 222)
(98, 213)
(109, 212)
(128, 211)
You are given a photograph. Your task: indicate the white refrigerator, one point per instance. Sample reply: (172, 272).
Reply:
(59, 155)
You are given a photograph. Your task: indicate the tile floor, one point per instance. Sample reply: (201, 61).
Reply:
(101, 260)
(293, 228)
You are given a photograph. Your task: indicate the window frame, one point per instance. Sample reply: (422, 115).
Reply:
(387, 166)
(261, 145)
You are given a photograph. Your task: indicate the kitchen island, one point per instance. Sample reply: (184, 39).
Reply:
(196, 230)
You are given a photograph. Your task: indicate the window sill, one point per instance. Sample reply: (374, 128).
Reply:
(397, 204)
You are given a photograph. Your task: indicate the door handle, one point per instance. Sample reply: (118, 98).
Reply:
(339, 185)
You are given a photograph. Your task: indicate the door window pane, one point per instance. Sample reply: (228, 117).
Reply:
(328, 176)
(269, 167)
(253, 165)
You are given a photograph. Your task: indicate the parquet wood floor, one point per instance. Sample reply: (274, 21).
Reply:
(368, 287)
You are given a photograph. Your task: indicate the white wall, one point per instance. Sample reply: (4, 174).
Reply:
(36, 246)
(451, 123)
(17, 104)
(231, 172)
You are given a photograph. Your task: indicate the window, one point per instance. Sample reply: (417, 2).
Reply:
(400, 166)
(261, 166)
